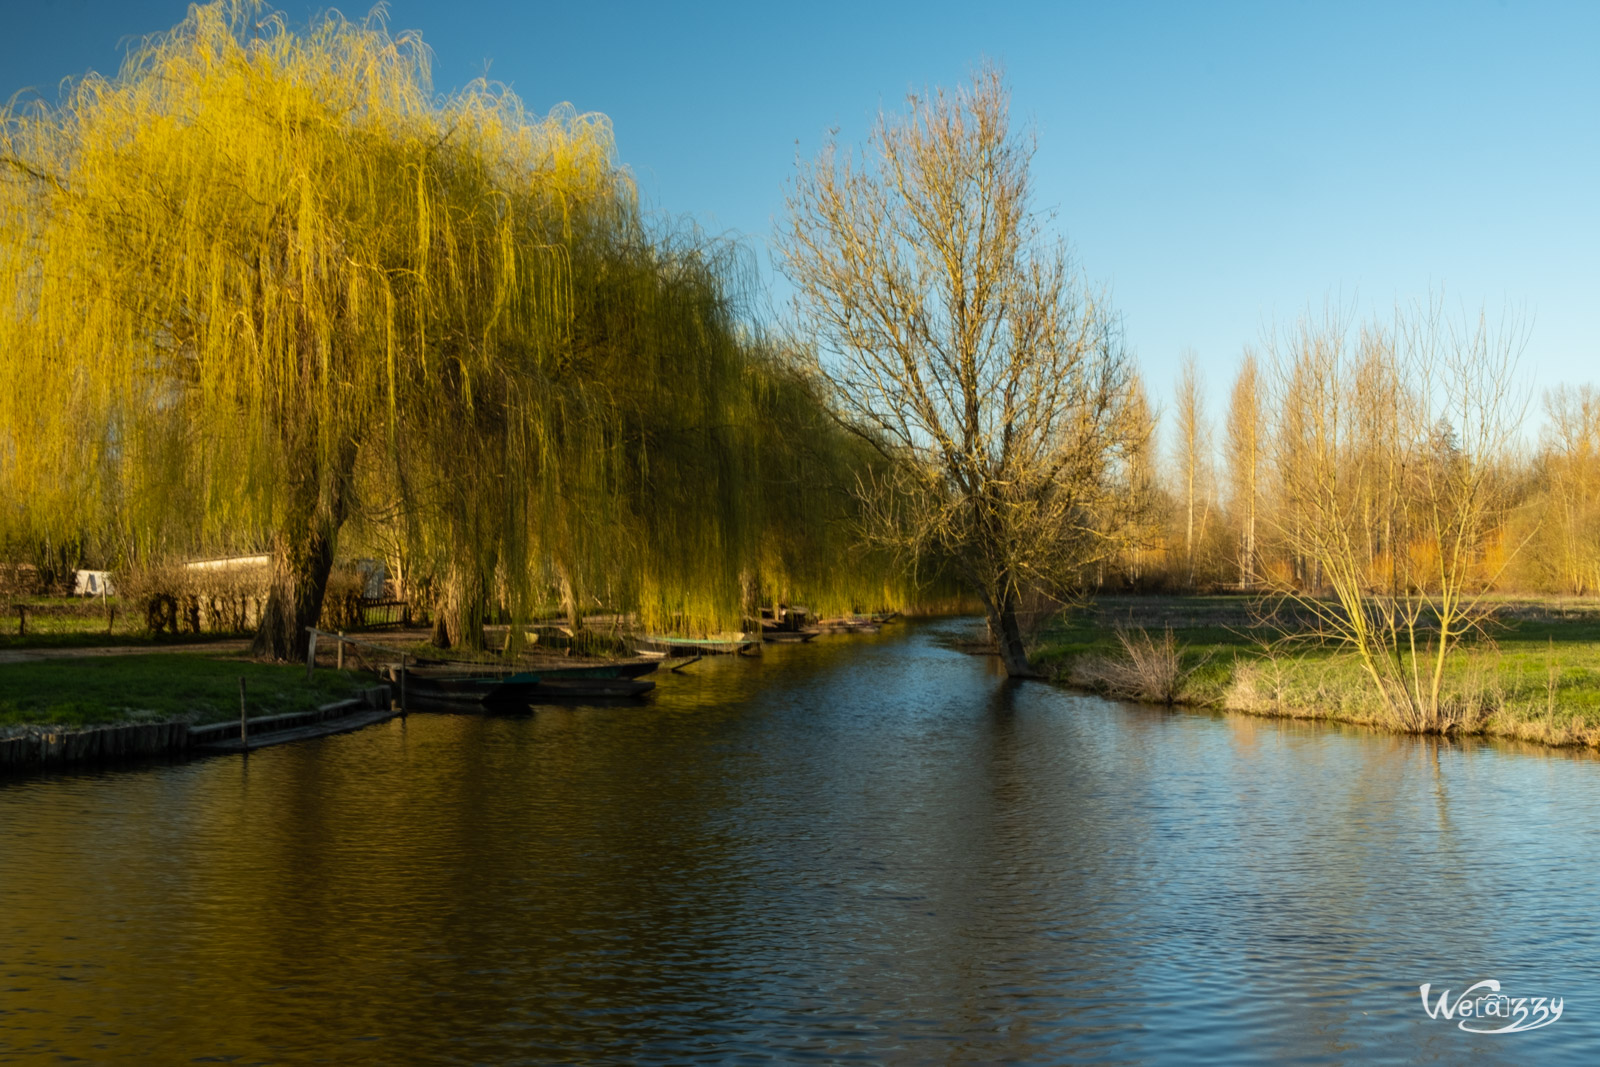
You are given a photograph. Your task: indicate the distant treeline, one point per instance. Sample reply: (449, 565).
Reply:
(1390, 444)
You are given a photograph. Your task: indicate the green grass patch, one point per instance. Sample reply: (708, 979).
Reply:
(155, 686)
(1535, 675)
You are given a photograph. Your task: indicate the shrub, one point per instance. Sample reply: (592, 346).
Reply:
(1147, 670)
(176, 599)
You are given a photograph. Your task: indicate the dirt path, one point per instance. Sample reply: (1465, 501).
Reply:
(231, 647)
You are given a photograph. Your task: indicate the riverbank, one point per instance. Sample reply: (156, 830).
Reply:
(198, 688)
(68, 704)
(1537, 677)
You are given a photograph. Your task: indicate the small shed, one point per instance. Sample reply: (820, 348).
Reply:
(92, 583)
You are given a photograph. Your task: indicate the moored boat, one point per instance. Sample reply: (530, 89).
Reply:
(528, 687)
(599, 670)
(666, 645)
(788, 637)
(588, 688)
(464, 687)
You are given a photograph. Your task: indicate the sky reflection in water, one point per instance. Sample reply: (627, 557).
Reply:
(858, 849)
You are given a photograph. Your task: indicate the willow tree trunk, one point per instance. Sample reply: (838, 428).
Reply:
(301, 562)
(569, 598)
(750, 601)
(458, 614)
(302, 556)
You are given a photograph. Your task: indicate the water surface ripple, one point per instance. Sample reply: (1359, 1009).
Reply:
(857, 850)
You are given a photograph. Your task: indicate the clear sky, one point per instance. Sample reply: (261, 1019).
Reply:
(1216, 166)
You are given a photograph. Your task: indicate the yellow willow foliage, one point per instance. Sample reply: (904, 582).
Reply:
(265, 281)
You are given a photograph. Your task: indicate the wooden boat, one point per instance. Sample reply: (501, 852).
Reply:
(550, 688)
(462, 687)
(599, 670)
(787, 637)
(660, 645)
(528, 687)
(859, 624)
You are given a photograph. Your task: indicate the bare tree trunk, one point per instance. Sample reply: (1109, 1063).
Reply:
(1005, 627)
(1007, 631)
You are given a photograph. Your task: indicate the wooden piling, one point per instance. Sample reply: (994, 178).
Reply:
(244, 722)
(340, 654)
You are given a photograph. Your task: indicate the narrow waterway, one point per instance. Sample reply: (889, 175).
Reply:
(861, 849)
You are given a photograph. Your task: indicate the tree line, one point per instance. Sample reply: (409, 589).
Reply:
(1407, 446)
(266, 290)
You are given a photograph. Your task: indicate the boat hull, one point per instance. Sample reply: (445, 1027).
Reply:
(685, 646)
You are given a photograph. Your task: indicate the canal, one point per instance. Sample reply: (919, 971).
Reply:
(866, 849)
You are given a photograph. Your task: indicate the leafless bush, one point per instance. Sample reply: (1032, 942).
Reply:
(175, 599)
(341, 602)
(1147, 670)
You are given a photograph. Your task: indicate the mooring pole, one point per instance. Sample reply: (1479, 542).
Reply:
(340, 659)
(403, 673)
(244, 723)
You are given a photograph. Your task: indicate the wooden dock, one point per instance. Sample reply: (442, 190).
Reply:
(341, 725)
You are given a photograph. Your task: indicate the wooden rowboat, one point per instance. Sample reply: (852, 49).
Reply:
(550, 689)
(527, 687)
(598, 670)
(660, 645)
(788, 637)
(459, 687)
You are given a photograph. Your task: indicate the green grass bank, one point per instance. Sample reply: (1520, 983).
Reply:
(154, 687)
(1535, 677)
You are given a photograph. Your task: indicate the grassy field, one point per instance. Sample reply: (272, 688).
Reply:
(73, 622)
(1536, 676)
(84, 691)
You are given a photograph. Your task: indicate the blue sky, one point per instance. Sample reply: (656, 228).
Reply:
(1218, 167)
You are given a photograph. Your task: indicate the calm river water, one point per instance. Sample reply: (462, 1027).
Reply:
(865, 849)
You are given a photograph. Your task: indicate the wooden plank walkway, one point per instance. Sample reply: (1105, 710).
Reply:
(342, 725)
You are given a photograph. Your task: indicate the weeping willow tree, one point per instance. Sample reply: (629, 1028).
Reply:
(266, 282)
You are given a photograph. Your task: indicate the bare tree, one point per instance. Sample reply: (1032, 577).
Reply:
(1244, 461)
(1571, 468)
(1140, 478)
(1193, 447)
(1447, 390)
(963, 346)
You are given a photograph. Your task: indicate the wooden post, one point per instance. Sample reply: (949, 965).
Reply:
(244, 723)
(311, 655)
(403, 673)
(340, 653)
(22, 620)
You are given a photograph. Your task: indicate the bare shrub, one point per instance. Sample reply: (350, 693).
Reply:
(1147, 670)
(174, 599)
(341, 603)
